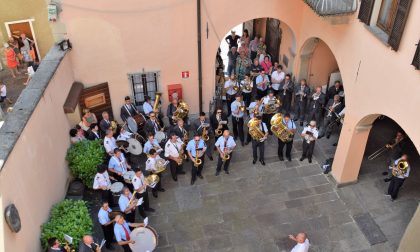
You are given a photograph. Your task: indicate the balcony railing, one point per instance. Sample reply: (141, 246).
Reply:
(332, 7)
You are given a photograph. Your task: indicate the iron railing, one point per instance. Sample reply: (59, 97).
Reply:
(332, 7)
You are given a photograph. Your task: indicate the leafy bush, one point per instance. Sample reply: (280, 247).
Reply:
(69, 217)
(83, 158)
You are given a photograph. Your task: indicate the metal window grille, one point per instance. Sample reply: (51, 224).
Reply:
(143, 84)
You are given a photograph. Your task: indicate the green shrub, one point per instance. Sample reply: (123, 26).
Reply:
(83, 158)
(69, 217)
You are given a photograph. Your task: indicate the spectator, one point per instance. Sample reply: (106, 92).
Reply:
(3, 92)
(243, 64)
(261, 49)
(13, 43)
(253, 47)
(302, 243)
(27, 49)
(245, 38)
(232, 39)
(232, 55)
(11, 59)
(266, 65)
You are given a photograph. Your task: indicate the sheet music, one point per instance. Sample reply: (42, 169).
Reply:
(140, 201)
(68, 238)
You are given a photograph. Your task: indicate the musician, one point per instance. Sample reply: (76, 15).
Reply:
(291, 126)
(302, 92)
(259, 143)
(128, 109)
(286, 93)
(398, 177)
(127, 207)
(118, 166)
(54, 245)
(122, 232)
(110, 143)
(179, 129)
(309, 134)
(225, 144)
(106, 224)
(247, 86)
(171, 110)
(152, 124)
(140, 186)
(151, 166)
(147, 105)
(316, 104)
(230, 91)
(103, 183)
(198, 126)
(255, 108)
(334, 90)
(172, 148)
(262, 82)
(216, 122)
(266, 101)
(124, 135)
(334, 107)
(277, 78)
(93, 132)
(238, 118)
(151, 143)
(87, 244)
(196, 149)
(105, 123)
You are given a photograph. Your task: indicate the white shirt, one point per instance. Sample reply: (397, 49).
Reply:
(172, 149)
(313, 130)
(147, 108)
(342, 112)
(124, 136)
(301, 247)
(110, 144)
(151, 163)
(3, 91)
(231, 91)
(138, 182)
(101, 180)
(276, 78)
(267, 98)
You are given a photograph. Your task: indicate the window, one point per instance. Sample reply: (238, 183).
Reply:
(143, 84)
(387, 15)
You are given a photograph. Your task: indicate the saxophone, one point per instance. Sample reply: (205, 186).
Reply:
(226, 155)
(181, 155)
(205, 134)
(400, 169)
(197, 160)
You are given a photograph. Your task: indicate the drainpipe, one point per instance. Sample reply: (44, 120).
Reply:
(200, 73)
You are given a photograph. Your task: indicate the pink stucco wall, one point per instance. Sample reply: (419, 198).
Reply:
(321, 65)
(35, 174)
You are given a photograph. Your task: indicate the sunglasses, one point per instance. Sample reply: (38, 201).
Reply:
(219, 112)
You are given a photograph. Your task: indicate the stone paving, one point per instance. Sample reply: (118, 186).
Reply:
(14, 86)
(255, 207)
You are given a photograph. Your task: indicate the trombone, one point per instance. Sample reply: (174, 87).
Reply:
(383, 149)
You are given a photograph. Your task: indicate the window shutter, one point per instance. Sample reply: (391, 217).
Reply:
(399, 24)
(416, 59)
(365, 11)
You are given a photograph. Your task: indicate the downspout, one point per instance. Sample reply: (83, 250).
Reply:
(200, 73)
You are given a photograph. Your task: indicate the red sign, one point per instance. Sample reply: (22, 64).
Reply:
(185, 74)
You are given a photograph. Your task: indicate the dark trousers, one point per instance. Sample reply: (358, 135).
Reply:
(300, 109)
(267, 119)
(230, 69)
(261, 93)
(175, 169)
(229, 100)
(107, 195)
(141, 211)
(158, 185)
(196, 171)
(394, 186)
(145, 197)
(247, 98)
(286, 102)
(225, 165)
(316, 115)
(108, 234)
(210, 147)
(288, 148)
(238, 127)
(330, 124)
(130, 217)
(126, 248)
(307, 149)
(257, 144)
(253, 55)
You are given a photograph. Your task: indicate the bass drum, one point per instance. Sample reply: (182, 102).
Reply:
(134, 146)
(160, 136)
(146, 239)
(132, 125)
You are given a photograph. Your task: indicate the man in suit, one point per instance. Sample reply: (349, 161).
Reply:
(105, 123)
(334, 108)
(302, 92)
(93, 132)
(197, 127)
(171, 110)
(286, 92)
(152, 124)
(215, 122)
(87, 244)
(334, 90)
(54, 245)
(316, 105)
(128, 109)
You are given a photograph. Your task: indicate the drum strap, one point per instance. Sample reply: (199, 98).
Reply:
(128, 111)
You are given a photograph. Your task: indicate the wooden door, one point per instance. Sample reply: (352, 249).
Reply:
(97, 99)
(17, 28)
(273, 38)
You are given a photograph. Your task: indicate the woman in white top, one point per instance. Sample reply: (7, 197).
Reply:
(302, 243)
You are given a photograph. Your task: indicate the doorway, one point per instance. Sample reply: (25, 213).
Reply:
(16, 28)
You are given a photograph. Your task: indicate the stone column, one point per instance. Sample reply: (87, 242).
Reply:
(350, 150)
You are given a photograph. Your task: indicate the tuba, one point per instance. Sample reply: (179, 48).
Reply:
(156, 105)
(254, 130)
(400, 169)
(160, 166)
(181, 111)
(279, 129)
(272, 106)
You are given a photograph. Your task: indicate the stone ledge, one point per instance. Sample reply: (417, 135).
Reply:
(25, 105)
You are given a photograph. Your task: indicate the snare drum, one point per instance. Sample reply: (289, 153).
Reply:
(146, 239)
(132, 125)
(122, 143)
(160, 136)
(128, 176)
(134, 146)
(116, 188)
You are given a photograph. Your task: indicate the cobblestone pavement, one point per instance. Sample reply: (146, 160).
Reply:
(14, 86)
(255, 207)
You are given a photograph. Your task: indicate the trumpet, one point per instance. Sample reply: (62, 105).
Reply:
(219, 130)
